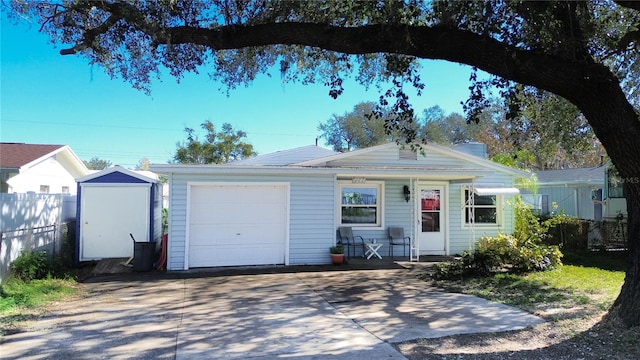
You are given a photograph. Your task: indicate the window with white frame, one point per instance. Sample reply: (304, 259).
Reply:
(44, 189)
(360, 204)
(65, 189)
(482, 209)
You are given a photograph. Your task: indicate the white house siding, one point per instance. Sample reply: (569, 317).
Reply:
(50, 173)
(397, 212)
(312, 213)
(461, 237)
(390, 157)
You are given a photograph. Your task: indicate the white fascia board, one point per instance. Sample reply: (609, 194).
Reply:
(69, 159)
(496, 191)
(117, 168)
(386, 172)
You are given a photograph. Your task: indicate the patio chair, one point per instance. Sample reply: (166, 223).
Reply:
(349, 240)
(397, 238)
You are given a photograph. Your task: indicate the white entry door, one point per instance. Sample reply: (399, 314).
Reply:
(431, 219)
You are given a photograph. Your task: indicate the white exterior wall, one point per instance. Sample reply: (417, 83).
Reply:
(311, 231)
(49, 172)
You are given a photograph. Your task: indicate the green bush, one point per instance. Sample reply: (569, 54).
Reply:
(524, 251)
(31, 265)
(527, 225)
(501, 253)
(567, 231)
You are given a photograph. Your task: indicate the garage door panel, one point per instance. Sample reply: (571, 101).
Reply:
(233, 256)
(237, 225)
(221, 214)
(251, 236)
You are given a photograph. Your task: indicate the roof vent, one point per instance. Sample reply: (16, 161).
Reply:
(408, 154)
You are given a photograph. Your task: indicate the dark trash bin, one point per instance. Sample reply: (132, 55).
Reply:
(143, 253)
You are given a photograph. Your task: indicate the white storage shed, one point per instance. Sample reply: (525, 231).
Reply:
(112, 204)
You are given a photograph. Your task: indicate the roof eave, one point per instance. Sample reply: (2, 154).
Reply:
(441, 174)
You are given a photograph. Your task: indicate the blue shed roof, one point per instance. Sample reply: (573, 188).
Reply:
(118, 174)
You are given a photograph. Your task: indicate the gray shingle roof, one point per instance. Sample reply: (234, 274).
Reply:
(287, 157)
(592, 175)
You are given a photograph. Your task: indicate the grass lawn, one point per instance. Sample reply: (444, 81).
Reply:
(572, 298)
(21, 301)
(588, 281)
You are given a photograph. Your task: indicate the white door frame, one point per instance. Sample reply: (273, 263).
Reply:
(86, 189)
(444, 213)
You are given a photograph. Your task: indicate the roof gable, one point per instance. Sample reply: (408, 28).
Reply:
(118, 174)
(18, 155)
(22, 157)
(435, 156)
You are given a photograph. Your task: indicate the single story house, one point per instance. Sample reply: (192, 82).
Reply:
(593, 193)
(39, 168)
(286, 207)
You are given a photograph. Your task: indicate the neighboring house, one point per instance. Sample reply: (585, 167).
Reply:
(593, 193)
(285, 207)
(39, 168)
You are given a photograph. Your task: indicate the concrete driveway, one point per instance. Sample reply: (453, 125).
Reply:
(303, 315)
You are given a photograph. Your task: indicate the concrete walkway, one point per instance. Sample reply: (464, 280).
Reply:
(355, 314)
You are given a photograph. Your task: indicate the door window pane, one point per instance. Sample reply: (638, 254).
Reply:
(430, 222)
(430, 199)
(430, 205)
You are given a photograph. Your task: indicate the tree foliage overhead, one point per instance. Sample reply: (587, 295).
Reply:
(216, 148)
(357, 129)
(584, 51)
(95, 163)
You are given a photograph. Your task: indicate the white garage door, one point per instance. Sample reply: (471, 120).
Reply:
(232, 225)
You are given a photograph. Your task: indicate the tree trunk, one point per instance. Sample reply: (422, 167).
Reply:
(617, 126)
(627, 305)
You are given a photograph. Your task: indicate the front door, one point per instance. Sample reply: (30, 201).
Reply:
(431, 219)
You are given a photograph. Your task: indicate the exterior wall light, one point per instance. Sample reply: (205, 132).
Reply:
(407, 193)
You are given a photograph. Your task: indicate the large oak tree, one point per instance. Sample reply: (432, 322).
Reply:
(585, 52)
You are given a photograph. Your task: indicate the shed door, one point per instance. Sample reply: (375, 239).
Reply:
(108, 215)
(232, 225)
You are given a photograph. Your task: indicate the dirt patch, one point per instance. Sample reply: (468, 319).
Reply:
(588, 337)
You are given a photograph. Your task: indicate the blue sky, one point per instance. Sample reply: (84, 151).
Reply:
(46, 98)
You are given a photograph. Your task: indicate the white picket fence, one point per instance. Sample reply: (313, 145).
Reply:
(32, 222)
